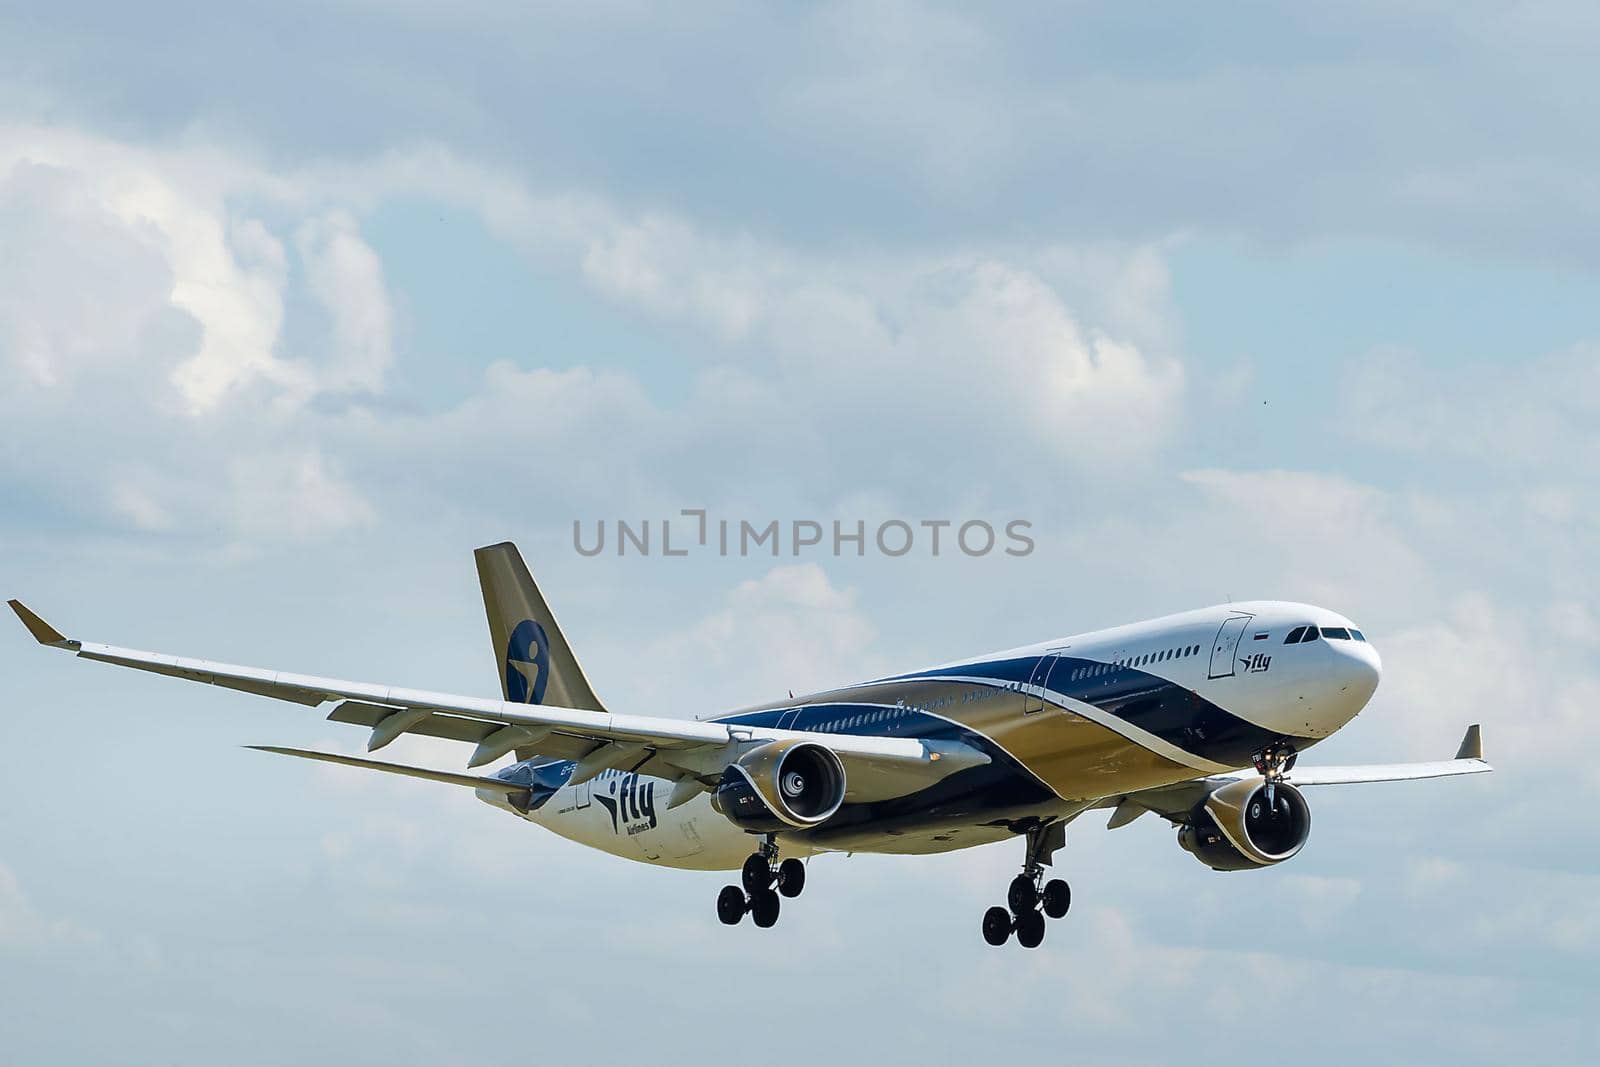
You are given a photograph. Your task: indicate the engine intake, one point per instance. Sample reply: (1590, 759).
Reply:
(783, 785)
(1237, 829)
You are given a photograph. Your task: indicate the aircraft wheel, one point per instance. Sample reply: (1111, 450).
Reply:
(1030, 929)
(756, 874)
(1022, 896)
(996, 926)
(1057, 898)
(764, 907)
(730, 905)
(791, 877)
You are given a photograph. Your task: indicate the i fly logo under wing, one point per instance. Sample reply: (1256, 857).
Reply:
(631, 802)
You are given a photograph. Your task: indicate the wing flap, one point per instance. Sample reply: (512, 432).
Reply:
(449, 727)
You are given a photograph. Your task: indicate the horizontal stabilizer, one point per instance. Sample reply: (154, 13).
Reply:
(471, 781)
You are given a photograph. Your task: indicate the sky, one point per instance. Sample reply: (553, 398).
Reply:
(300, 303)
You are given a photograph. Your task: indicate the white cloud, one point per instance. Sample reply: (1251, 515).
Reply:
(346, 277)
(1308, 535)
(22, 924)
(960, 336)
(1538, 415)
(792, 628)
(292, 494)
(841, 353)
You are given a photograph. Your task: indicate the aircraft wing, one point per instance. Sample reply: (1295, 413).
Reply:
(1176, 801)
(877, 767)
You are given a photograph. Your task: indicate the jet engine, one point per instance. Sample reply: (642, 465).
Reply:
(1247, 824)
(783, 785)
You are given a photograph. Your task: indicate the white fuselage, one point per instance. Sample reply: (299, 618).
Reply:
(1232, 660)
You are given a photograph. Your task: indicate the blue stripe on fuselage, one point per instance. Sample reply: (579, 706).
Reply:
(1177, 715)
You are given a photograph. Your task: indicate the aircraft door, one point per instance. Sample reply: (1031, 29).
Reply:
(691, 843)
(1226, 644)
(1033, 696)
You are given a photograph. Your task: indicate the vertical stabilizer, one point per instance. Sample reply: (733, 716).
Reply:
(536, 663)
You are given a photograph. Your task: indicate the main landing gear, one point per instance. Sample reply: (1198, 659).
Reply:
(1029, 898)
(762, 883)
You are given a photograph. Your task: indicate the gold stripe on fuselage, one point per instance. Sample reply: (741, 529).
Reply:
(1076, 757)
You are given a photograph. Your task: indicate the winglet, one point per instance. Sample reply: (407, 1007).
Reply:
(1471, 744)
(42, 631)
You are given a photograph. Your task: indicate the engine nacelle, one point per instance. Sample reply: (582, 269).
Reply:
(1235, 829)
(784, 785)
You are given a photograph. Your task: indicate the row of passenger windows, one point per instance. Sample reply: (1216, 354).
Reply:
(1136, 661)
(859, 720)
(1301, 634)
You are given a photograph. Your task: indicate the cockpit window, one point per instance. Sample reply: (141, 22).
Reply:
(1358, 635)
(1311, 634)
(1337, 633)
(1296, 635)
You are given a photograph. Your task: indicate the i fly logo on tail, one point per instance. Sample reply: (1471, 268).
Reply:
(527, 663)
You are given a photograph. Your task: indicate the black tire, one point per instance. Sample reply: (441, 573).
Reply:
(1022, 896)
(756, 874)
(996, 926)
(791, 877)
(730, 905)
(764, 907)
(1030, 930)
(1057, 898)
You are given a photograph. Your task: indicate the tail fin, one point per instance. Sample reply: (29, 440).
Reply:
(536, 663)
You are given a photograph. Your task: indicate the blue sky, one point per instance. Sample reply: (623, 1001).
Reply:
(301, 303)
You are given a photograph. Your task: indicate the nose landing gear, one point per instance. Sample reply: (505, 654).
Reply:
(1272, 763)
(1029, 898)
(762, 883)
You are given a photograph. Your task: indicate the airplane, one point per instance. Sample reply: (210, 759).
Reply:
(1199, 717)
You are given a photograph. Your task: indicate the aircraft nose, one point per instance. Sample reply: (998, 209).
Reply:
(1360, 668)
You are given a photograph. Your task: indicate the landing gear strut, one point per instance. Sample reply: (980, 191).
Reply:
(1272, 763)
(762, 883)
(1030, 898)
